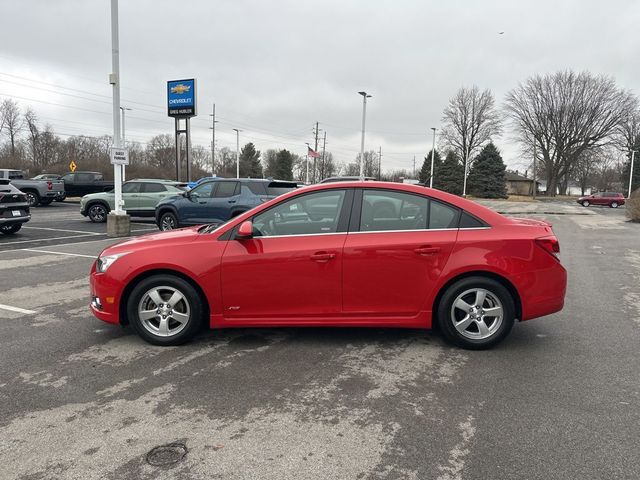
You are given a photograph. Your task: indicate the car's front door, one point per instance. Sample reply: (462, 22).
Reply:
(397, 247)
(291, 270)
(192, 208)
(130, 195)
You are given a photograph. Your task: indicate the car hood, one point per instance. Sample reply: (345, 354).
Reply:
(176, 237)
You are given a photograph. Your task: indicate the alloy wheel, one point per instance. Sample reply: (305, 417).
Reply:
(164, 311)
(477, 314)
(168, 222)
(97, 213)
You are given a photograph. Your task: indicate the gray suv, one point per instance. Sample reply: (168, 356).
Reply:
(14, 208)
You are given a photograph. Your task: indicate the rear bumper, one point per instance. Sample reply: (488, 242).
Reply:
(13, 220)
(543, 291)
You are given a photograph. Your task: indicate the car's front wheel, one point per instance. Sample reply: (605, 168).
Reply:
(585, 203)
(165, 310)
(97, 213)
(10, 229)
(476, 313)
(168, 221)
(614, 204)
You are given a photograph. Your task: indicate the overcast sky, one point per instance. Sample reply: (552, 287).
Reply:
(275, 67)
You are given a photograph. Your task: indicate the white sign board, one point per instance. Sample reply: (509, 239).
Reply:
(119, 156)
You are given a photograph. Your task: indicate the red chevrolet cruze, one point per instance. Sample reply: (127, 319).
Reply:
(372, 254)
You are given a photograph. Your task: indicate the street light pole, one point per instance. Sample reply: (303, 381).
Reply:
(213, 141)
(364, 114)
(114, 79)
(124, 143)
(306, 181)
(237, 152)
(633, 154)
(535, 174)
(433, 153)
(466, 167)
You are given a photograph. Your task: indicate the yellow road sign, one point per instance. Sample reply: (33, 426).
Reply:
(72, 166)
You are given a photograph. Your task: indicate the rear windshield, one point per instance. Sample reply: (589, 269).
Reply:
(278, 188)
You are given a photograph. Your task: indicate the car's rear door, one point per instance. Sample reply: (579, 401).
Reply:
(291, 270)
(397, 247)
(152, 193)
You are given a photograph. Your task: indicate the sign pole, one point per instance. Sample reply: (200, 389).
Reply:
(118, 222)
(177, 149)
(188, 149)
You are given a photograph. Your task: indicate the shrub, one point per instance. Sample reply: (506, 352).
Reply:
(633, 206)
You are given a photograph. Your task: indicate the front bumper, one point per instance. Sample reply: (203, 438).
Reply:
(105, 297)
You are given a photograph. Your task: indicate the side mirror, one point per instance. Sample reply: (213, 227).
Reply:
(245, 231)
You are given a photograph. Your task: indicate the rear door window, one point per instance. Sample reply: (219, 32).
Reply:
(442, 215)
(226, 189)
(385, 210)
(154, 188)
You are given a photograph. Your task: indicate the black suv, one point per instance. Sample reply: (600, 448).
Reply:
(14, 208)
(217, 200)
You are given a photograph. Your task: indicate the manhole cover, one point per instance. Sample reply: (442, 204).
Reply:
(166, 454)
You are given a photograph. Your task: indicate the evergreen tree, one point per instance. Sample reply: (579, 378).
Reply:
(284, 165)
(635, 180)
(425, 171)
(250, 165)
(450, 175)
(487, 175)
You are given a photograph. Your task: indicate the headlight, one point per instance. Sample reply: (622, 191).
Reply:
(104, 262)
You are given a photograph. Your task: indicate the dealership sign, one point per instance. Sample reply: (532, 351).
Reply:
(181, 98)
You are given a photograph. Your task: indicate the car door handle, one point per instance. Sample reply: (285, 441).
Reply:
(427, 250)
(232, 201)
(323, 256)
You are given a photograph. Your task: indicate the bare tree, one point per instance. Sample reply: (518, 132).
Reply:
(565, 114)
(33, 136)
(11, 122)
(469, 122)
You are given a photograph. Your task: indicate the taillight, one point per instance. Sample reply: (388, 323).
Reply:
(549, 244)
(49, 185)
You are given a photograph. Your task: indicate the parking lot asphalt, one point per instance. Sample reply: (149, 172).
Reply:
(559, 399)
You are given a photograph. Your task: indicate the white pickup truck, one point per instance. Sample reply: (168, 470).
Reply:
(38, 192)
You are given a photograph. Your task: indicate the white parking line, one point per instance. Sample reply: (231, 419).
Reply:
(49, 239)
(16, 309)
(60, 253)
(61, 230)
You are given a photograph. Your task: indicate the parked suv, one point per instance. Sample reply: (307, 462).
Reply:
(140, 199)
(14, 208)
(611, 199)
(217, 200)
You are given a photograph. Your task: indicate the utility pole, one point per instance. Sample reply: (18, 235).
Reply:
(315, 150)
(307, 174)
(237, 152)
(433, 154)
(124, 143)
(365, 95)
(414, 166)
(380, 163)
(323, 164)
(213, 141)
(633, 154)
(535, 180)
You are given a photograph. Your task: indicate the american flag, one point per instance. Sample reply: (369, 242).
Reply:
(312, 153)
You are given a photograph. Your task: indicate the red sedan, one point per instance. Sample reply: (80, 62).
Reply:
(372, 254)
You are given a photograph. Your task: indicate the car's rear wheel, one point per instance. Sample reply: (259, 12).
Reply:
(97, 213)
(165, 310)
(585, 203)
(32, 197)
(10, 229)
(168, 221)
(476, 313)
(614, 204)
(61, 199)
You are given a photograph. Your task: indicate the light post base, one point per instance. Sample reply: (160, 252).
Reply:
(118, 225)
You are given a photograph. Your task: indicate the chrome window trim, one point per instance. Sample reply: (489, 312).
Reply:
(373, 231)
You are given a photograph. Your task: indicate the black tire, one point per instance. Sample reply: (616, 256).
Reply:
(32, 197)
(61, 199)
(46, 201)
(614, 205)
(139, 297)
(97, 212)
(446, 313)
(168, 221)
(10, 229)
(585, 203)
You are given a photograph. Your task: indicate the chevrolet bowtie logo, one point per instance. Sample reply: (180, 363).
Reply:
(180, 89)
